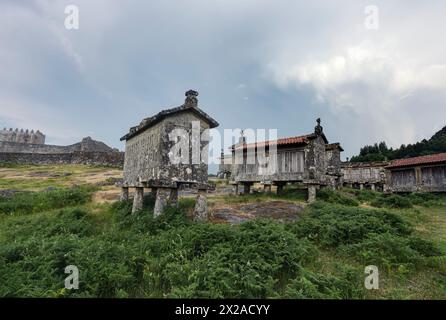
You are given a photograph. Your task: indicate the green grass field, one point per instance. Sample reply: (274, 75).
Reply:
(119, 254)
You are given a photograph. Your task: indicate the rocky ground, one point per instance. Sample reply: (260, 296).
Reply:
(277, 209)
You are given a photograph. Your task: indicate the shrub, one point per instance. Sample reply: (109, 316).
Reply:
(25, 203)
(394, 202)
(390, 250)
(364, 195)
(222, 261)
(372, 236)
(331, 196)
(426, 199)
(309, 285)
(334, 225)
(143, 221)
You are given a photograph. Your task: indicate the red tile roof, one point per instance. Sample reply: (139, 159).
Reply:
(430, 159)
(280, 142)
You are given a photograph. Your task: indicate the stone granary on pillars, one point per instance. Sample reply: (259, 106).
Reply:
(164, 152)
(308, 159)
(417, 174)
(360, 175)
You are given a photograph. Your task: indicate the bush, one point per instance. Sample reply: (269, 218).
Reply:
(394, 202)
(143, 221)
(331, 196)
(391, 250)
(124, 254)
(364, 195)
(372, 236)
(334, 225)
(310, 285)
(25, 203)
(426, 199)
(222, 261)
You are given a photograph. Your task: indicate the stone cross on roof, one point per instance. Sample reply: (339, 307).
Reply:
(318, 129)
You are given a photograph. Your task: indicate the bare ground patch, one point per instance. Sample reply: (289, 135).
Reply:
(280, 210)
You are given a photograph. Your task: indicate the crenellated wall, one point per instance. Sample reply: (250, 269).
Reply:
(22, 136)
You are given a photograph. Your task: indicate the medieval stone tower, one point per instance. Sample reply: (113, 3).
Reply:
(22, 136)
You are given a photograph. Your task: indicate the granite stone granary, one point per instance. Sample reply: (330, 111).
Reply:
(161, 154)
(418, 174)
(308, 159)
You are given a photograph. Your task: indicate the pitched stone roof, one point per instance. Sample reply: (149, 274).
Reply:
(333, 146)
(190, 104)
(409, 162)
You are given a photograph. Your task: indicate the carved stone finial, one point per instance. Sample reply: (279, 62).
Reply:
(242, 139)
(318, 129)
(191, 98)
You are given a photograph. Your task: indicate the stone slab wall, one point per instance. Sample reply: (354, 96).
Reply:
(365, 173)
(414, 179)
(78, 157)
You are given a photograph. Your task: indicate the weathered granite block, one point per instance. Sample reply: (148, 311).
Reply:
(138, 199)
(201, 207)
(162, 197)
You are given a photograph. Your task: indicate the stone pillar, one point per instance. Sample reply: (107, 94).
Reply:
(279, 188)
(124, 194)
(267, 188)
(246, 188)
(236, 189)
(138, 199)
(173, 197)
(361, 186)
(201, 206)
(311, 193)
(162, 196)
(372, 187)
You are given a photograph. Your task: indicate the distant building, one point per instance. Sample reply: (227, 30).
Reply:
(225, 166)
(418, 174)
(360, 175)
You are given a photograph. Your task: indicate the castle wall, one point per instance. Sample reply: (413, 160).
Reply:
(22, 136)
(87, 151)
(15, 147)
(77, 157)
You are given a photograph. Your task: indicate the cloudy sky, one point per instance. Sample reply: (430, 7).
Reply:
(256, 64)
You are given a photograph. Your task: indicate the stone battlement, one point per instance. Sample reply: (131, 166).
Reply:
(24, 146)
(22, 136)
